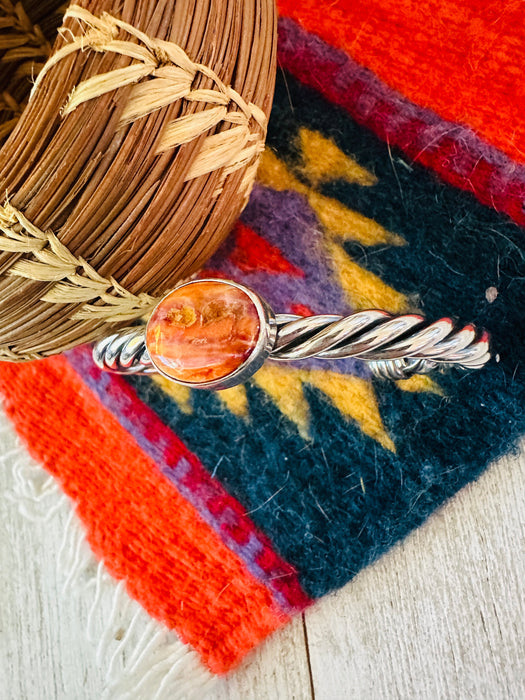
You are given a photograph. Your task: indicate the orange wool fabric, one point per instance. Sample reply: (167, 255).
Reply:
(463, 59)
(173, 563)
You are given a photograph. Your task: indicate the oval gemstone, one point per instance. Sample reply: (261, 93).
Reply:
(203, 331)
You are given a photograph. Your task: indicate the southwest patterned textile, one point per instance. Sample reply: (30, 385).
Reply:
(394, 178)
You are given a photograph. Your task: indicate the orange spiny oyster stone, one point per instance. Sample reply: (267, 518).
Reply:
(203, 331)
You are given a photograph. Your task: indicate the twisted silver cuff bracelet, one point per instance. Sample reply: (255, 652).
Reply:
(214, 334)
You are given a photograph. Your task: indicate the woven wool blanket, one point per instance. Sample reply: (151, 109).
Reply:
(394, 178)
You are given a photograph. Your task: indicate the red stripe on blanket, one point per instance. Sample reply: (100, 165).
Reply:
(223, 513)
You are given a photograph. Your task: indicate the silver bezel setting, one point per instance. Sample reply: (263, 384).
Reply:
(261, 351)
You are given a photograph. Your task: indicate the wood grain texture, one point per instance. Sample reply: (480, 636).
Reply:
(440, 617)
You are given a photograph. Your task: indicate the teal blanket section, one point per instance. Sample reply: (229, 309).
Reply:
(335, 500)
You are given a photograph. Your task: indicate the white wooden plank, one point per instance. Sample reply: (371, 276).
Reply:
(45, 654)
(443, 615)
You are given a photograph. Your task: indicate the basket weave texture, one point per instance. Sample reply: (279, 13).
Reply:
(134, 157)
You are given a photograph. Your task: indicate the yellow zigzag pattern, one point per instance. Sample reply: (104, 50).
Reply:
(323, 161)
(363, 289)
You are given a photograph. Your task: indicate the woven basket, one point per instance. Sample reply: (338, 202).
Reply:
(131, 162)
(25, 35)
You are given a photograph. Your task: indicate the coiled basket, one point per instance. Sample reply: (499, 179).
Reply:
(130, 162)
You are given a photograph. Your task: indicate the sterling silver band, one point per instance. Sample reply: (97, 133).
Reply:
(394, 347)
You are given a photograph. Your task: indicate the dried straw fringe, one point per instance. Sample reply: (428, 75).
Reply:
(172, 74)
(77, 281)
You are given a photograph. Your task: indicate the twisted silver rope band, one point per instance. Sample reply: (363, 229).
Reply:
(394, 347)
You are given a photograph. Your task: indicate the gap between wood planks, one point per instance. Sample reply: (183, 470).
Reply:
(308, 661)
